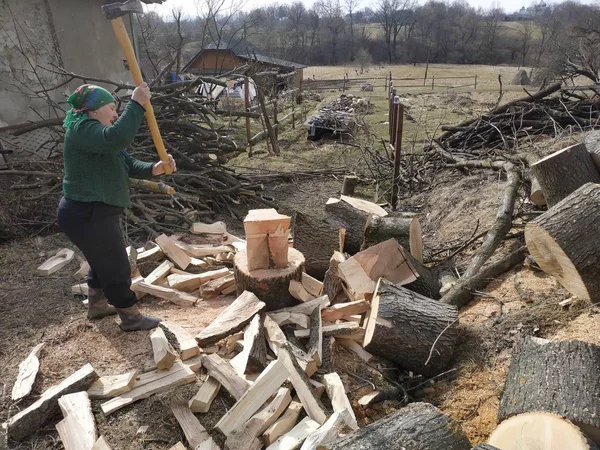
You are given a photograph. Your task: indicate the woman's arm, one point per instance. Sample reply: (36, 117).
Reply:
(138, 169)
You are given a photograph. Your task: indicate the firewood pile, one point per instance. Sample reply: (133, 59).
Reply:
(339, 116)
(351, 104)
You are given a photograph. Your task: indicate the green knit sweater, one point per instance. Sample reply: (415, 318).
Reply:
(97, 167)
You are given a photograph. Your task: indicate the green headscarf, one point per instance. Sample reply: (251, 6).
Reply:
(87, 97)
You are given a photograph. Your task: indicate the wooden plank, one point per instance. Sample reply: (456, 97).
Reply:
(305, 308)
(232, 319)
(284, 424)
(303, 388)
(151, 383)
(294, 438)
(77, 430)
(326, 432)
(286, 318)
(343, 310)
(339, 401)
(264, 387)
(164, 355)
(355, 347)
(185, 342)
(208, 228)
(173, 252)
(331, 330)
(28, 369)
(174, 296)
(193, 430)
(27, 421)
(101, 444)
(254, 355)
(161, 271)
(112, 385)
(298, 292)
(200, 403)
(225, 374)
(365, 205)
(54, 264)
(313, 286)
(192, 282)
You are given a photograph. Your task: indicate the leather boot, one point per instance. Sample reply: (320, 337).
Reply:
(133, 320)
(98, 306)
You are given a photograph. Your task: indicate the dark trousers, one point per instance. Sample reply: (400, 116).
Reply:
(94, 228)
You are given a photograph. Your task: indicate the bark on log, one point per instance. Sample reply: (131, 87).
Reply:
(592, 143)
(557, 377)
(427, 283)
(564, 242)
(332, 283)
(317, 240)
(269, 285)
(415, 330)
(341, 214)
(565, 171)
(537, 195)
(405, 229)
(349, 185)
(419, 426)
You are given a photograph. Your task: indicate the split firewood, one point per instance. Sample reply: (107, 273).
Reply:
(317, 240)
(254, 354)
(419, 423)
(173, 295)
(339, 401)
(540, 430)
(267, 234)
(313, 286)
(326, 432)
(355, 347)
(160, 272)
(202, 250)
(179, 446)
(274, 335)
(101, 444)
(192, 282)
(270, 285)
(535, 382)
(194, 364)
(298, 292)
(225, 374)
(28, 369)
(164, 355)
(57, 262)
(183, 341)
(80, 289)
(206, 228)
(333, 330)
(154, 252)
(285, 318)
(201, 402)
(284, 424)
(293, 439)
(84, 268)
(173, 252)
(261, 390)
(537, 194)
(332, 283)
(485, 447)
(77, 430)
(341, 214)
(344, 310)
(233, 319)
(193, 430)
(218, 286)
(314, 348)
(151, 383)
(246, 437)
(112, 385)
(405, 229)
(307, 307)
(365, 205)
(28, 420)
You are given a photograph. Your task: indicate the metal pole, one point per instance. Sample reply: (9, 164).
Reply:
(397, 150)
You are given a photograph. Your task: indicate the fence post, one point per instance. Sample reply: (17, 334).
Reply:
(275, 122)
(391, 114)
(475, 81)
(294, 111)
(385, 86)
(432, 82)
(247, 105)
(397, 150)
(344, 86)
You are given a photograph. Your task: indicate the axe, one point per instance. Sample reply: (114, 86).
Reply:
(114, 12)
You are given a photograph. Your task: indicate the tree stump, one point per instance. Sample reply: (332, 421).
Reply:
(317, 240)
(405, 229)
(539, 430)
(418, 426)
(564, 242)
(556, 377)
(341, 214)
(350, 182)
(565, 171)
(411, 325)
(269, 285)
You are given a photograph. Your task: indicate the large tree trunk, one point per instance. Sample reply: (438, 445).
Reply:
(427, 283)
(269, 285)
(418, 426)
(557, 377)
(341, 214)
(404, 228)
(317, 240)
(565, 171)
(564, 242)
(415, 329)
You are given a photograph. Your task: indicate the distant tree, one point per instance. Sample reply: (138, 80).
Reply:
(363, 58)
(351, 6)
(333, 20)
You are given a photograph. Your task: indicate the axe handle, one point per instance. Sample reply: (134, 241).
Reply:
(125, 43)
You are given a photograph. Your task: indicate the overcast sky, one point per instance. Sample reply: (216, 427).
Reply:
(190, 8)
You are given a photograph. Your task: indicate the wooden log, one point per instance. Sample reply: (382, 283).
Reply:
(421, 424)
(284, 424)
(57, 262)
(326, 432)
(193, 282)
(339, 401)
(296, 289)
(173, 252)
(537, 194)
(342, 214)
(225, 374)
(160, 272)
(77, 430)
(254, 354)
(164, 355)
(306, 307)
(349, 184)
(154, 252)
(317, 240)
(335, 329)
(183, 341)
(564, 244)
(101, 444)
(173, 295)
(270, 285)
(420, 334)
(267, 234)
(405, 229)
(202, 250)
(365, 205)
(542, 377)
(194, 432)
(224, 285)
(286, 318)
(332, 283)
(27, 421)
(208, 228)
(565, 171)
(592, 144)
(539, 430)
(293, 439)
(427, 283)
(112, 385)
(313, 286)
(28, 369)
(201, 402)
(233, 319)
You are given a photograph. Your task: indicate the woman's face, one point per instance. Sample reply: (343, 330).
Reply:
(106, 115)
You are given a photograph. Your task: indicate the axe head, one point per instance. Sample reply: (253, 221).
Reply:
(115, 10)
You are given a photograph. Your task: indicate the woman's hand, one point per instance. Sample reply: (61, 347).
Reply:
(159, 167)
(141, 94)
